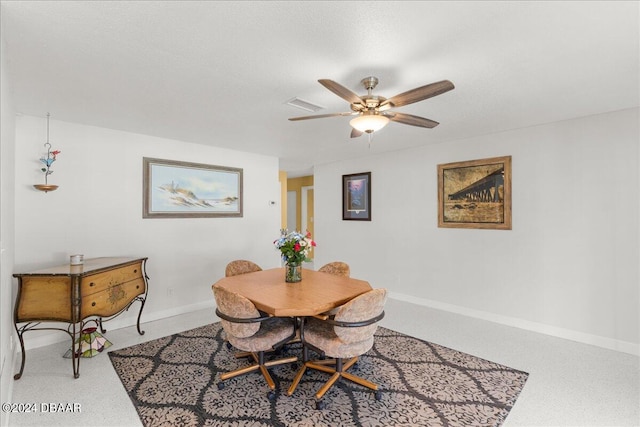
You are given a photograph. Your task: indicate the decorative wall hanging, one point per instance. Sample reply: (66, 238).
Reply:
(173, 189)
(356, 196)
(47, 160)
(475, 194)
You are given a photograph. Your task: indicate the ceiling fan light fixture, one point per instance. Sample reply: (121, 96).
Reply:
(369, 123)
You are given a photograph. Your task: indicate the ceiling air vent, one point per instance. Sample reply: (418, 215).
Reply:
(305, 105)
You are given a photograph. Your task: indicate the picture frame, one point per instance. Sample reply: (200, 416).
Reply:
(356, 196)
(475, 194)
(175, 189)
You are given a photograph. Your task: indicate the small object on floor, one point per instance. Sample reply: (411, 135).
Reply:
(91, 342)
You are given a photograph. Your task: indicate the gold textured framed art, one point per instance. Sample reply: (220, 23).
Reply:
(475, 194)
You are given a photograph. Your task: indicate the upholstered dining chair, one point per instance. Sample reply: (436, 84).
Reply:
(241, 266)
(249, 330)
(234, 268)
(342, 338)
(338, 268)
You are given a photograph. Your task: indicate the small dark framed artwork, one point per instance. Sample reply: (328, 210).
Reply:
(475, 194)
(356, 196)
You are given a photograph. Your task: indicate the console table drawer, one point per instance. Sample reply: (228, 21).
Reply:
(111, 300)
(102, 281)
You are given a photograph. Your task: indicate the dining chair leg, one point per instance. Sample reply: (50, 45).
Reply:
(267, 377)
(296, 380)
(289, 359)
(335, 377)
(325, 362)
(359, 380)
(319, 367)
(237, 372)
(264, 365)
(338, 372)
(298, 377)
(259, 365)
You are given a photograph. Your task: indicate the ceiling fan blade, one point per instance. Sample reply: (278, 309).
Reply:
(341, 91)
(419, 94)
(321, 116)
(409, 119)
(355, 133)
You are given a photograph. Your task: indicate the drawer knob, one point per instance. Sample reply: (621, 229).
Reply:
(93, 304)
(91, 284)
(135, 271)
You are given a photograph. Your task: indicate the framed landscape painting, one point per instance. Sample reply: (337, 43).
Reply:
(173, 189)
(356, 196)
(475, 194)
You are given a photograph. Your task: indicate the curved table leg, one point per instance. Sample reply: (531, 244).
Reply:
(142, 301)
(24, 355)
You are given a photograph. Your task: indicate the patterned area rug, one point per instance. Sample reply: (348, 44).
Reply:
(172, 381)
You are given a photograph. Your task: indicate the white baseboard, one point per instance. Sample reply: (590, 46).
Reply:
(599, 341)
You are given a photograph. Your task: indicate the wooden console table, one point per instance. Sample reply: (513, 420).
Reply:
(100, 289)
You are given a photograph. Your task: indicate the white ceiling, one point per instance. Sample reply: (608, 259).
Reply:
(220, 73)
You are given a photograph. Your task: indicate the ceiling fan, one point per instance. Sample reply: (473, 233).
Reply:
(373, 112)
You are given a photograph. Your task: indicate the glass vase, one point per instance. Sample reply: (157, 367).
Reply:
(293, 273)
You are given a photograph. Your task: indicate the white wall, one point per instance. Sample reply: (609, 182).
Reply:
(97, 211)
(569, 267)
(7, 136)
